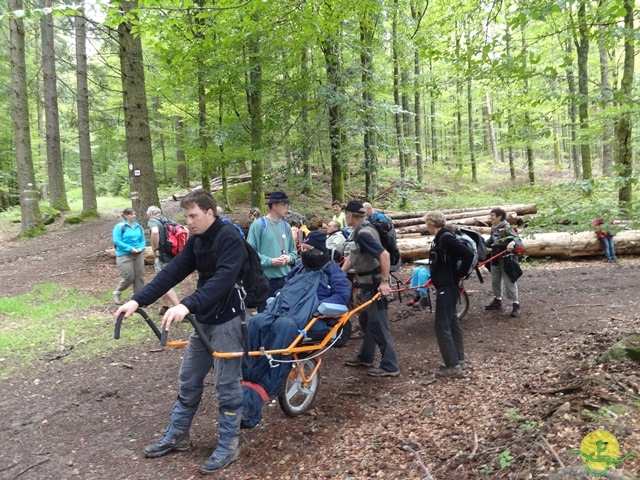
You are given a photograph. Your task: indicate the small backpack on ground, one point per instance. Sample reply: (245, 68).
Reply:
(388, 240)
(175, 236)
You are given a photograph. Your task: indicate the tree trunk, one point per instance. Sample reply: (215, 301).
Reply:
(474, 169)
(369, 137)
(458, 140)
(305, 155)
(417, 109)
(407, 124)
(142, 179)
(557, 153)
(157, 123)
(29, 206)
(553, 244)
(331, 52)
(493, 140)
(527, 118)
(254, 96)
(582, 47)
(206, 164)
(397, 116)
(606, 95)
(182, 177)
(89, 201)
(435, 153)
(625, 145)
(510, 125)
(42, 134)
(571, 87)
(57, 190)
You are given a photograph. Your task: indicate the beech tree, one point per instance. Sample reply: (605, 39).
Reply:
(29, 207)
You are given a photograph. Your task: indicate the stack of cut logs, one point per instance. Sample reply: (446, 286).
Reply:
(413, 244)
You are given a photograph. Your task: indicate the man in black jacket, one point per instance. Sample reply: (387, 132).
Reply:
(219, 255)
(445, 252)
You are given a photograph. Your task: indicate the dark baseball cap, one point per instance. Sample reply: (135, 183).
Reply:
(355, 206)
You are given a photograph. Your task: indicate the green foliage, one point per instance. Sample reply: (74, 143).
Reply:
(513, 415)
(506, 459)
(115, 181)
(52, 318)
(573, 206)
(237, 194)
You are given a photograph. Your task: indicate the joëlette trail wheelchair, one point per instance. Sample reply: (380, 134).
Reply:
(300, 386)
(426, 288)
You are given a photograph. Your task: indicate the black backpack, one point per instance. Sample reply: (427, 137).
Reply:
(253, 285)
(387, 238)
(254, 282)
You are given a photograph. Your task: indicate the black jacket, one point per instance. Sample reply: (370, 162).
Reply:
(446, 251)
(215, 300)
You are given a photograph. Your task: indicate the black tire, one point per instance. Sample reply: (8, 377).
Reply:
(295, 398)
(462, 306)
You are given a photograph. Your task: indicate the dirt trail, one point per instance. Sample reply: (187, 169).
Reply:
(79, 420)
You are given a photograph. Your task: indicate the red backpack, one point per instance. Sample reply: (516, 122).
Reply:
(175, 236)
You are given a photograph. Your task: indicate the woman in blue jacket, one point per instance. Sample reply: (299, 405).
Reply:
(129, 241)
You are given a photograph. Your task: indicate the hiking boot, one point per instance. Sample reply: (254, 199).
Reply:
(425, 303)
(495, 305)
(213, 463)
(450, 372)
(378, 372)
(116, 297)
(463, 365)
(170, 441)
(356, 362)
(357, 335)
(515, 312)
(163, 310)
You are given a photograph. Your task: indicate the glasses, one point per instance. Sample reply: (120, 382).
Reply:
(312, 251)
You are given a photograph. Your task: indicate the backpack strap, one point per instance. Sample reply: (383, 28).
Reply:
(263, 226)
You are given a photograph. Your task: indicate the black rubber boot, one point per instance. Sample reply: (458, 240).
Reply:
(516, 310)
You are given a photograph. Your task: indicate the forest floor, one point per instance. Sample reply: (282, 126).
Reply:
(533, 391)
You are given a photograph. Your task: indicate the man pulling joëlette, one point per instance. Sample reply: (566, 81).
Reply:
(216, 305)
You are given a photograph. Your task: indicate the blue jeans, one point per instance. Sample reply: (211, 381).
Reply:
(196, 364)
(609, 249)
(376, 333)
(447, 326)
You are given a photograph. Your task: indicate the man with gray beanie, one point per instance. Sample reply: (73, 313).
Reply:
(370, 261)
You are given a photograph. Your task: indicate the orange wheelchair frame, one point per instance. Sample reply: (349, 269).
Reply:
(300, 386)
